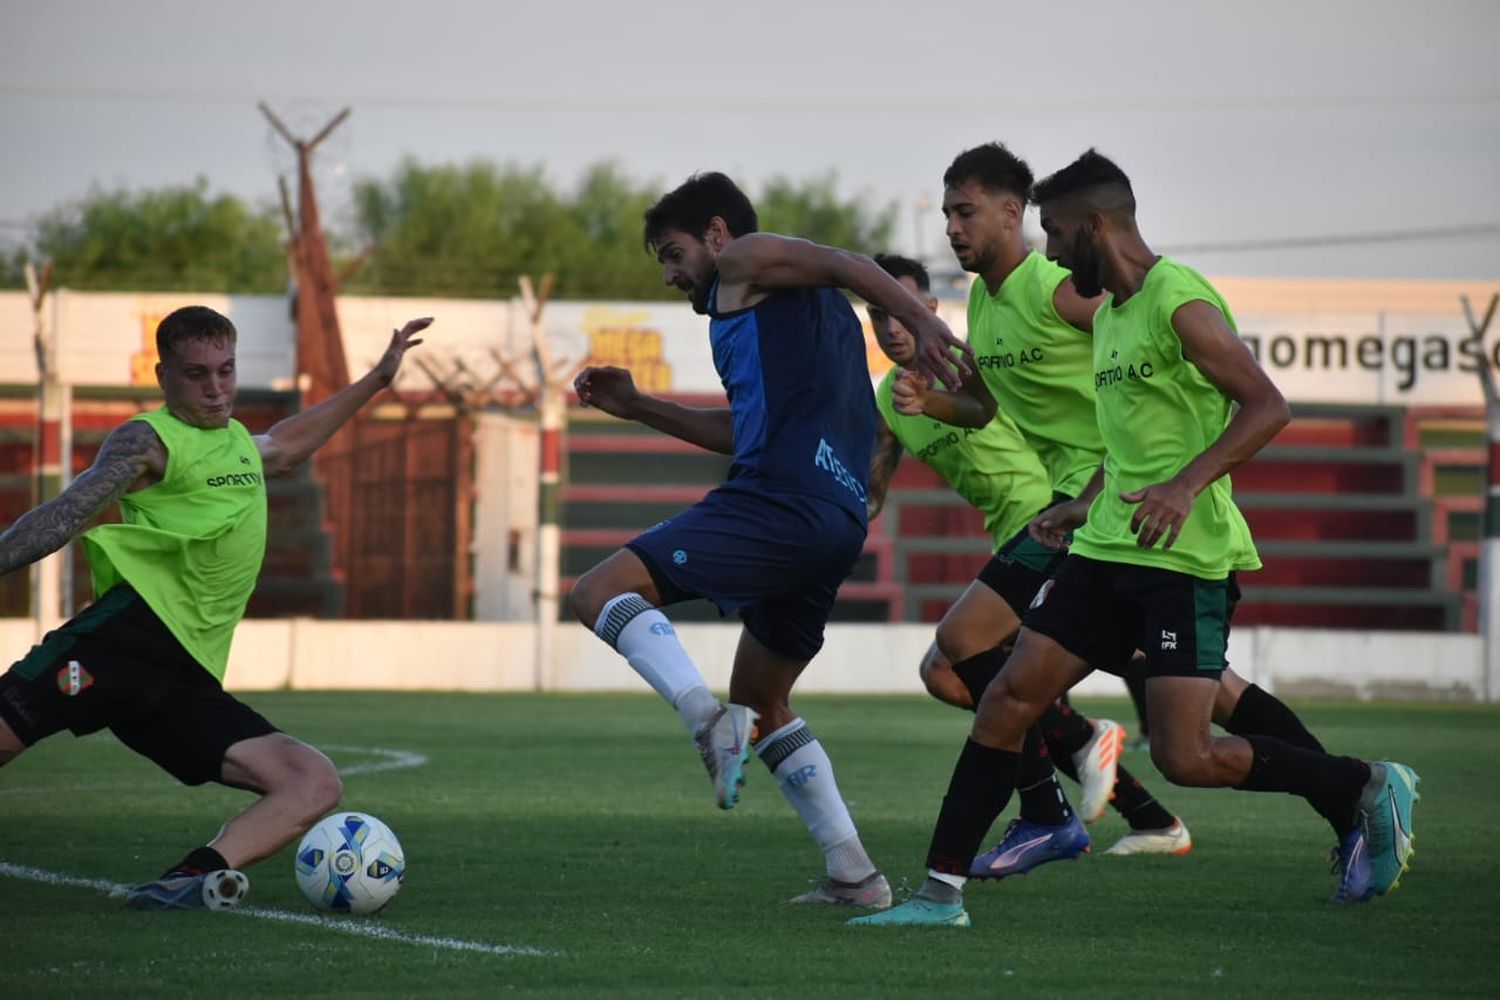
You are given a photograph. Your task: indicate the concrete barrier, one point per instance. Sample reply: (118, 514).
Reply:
(307, 654)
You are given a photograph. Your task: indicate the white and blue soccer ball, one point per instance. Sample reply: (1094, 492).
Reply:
(350, 862)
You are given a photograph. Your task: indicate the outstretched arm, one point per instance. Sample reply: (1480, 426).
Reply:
(765, 261)
(886, 456)
(289, 443)
(131, 451)
(971, 406)
(1209, 343)
(612, 390)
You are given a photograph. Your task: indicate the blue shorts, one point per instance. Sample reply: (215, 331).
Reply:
(777, 559)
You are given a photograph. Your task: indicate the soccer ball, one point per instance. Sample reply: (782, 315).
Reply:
(350, 862)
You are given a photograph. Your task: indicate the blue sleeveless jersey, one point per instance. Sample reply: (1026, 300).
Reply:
(799, 390)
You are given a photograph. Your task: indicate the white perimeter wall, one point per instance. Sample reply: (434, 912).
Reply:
(307, 654)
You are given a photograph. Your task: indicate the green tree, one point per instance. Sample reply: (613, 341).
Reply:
(472, 230)
(12, 266)
(813, 210)
(461, 230)
(167, 239)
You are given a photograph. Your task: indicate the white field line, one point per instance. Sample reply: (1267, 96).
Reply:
(353, 927)
(391, 760)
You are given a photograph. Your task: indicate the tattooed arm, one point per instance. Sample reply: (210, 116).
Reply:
(131, 451)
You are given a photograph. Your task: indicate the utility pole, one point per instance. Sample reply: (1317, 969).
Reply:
(553, 380)
(320, 344)
(1489, 549)
(52, 577)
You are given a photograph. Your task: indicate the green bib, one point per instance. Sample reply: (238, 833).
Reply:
(1037, 367)
(990, 467)
(192, 544)
(1157, 412)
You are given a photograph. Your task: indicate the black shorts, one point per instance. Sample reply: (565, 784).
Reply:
(1018, 568)
(117, 665)
(1104, 611)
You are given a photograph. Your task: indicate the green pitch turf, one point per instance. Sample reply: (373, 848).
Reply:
(584, 827)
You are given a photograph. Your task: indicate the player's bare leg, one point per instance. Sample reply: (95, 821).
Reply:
(979, 620)
(763, 680)
(297, 784)
(936, 671)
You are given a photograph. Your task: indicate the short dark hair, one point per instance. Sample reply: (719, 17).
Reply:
(693, 204)
(191, 323)
(993, 166)
(904, 267)
(1091, 171)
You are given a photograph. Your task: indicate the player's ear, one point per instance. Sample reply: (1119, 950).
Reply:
(717, 234)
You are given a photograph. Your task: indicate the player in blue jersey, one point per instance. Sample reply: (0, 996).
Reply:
(776, 539)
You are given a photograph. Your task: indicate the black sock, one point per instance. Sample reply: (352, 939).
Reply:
(1042, 798)
(1067, 731)
(978, 670)
(1140, 809)
(198, 861)
(1331, 784)
(982, 782)
(1258, 712)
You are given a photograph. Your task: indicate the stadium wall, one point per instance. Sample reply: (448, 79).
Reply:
(308, 654)
(1321, 340)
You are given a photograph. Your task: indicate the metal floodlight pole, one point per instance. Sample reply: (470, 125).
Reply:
(550, 407)
(47, 574)
(1489, 549)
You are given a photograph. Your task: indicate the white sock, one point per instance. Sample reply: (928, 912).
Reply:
(802, 769)
(643, 635)
(957, 881)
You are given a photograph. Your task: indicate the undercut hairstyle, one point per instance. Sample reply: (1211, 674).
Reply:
(191, 323)
(904, 267)
(993, 166)
(1093, 174)
(692, 206)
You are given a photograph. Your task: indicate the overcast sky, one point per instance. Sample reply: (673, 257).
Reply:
(1237, 122)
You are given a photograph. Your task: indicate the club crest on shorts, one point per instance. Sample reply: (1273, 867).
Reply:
(73, 679)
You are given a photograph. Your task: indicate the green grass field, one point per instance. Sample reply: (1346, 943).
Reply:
(584, 827)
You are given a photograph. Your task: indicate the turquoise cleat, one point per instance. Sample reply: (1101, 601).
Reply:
(917, 912)
(1386, 810)
(724, 745)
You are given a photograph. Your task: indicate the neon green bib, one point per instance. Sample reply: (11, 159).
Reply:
(192, 544)
(1157, 412)
(990, 467)
(1037, 367)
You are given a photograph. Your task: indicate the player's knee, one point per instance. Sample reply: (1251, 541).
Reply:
(1004, 714)
(318, 785)
(953, 640)
(1187, 763)
(589, 597)
(943, 684)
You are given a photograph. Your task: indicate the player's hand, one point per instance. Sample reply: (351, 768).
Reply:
(935, 356)
(401, 342)
(607, 388)
(1053, 526)
(909, 392)
(1162, 511)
